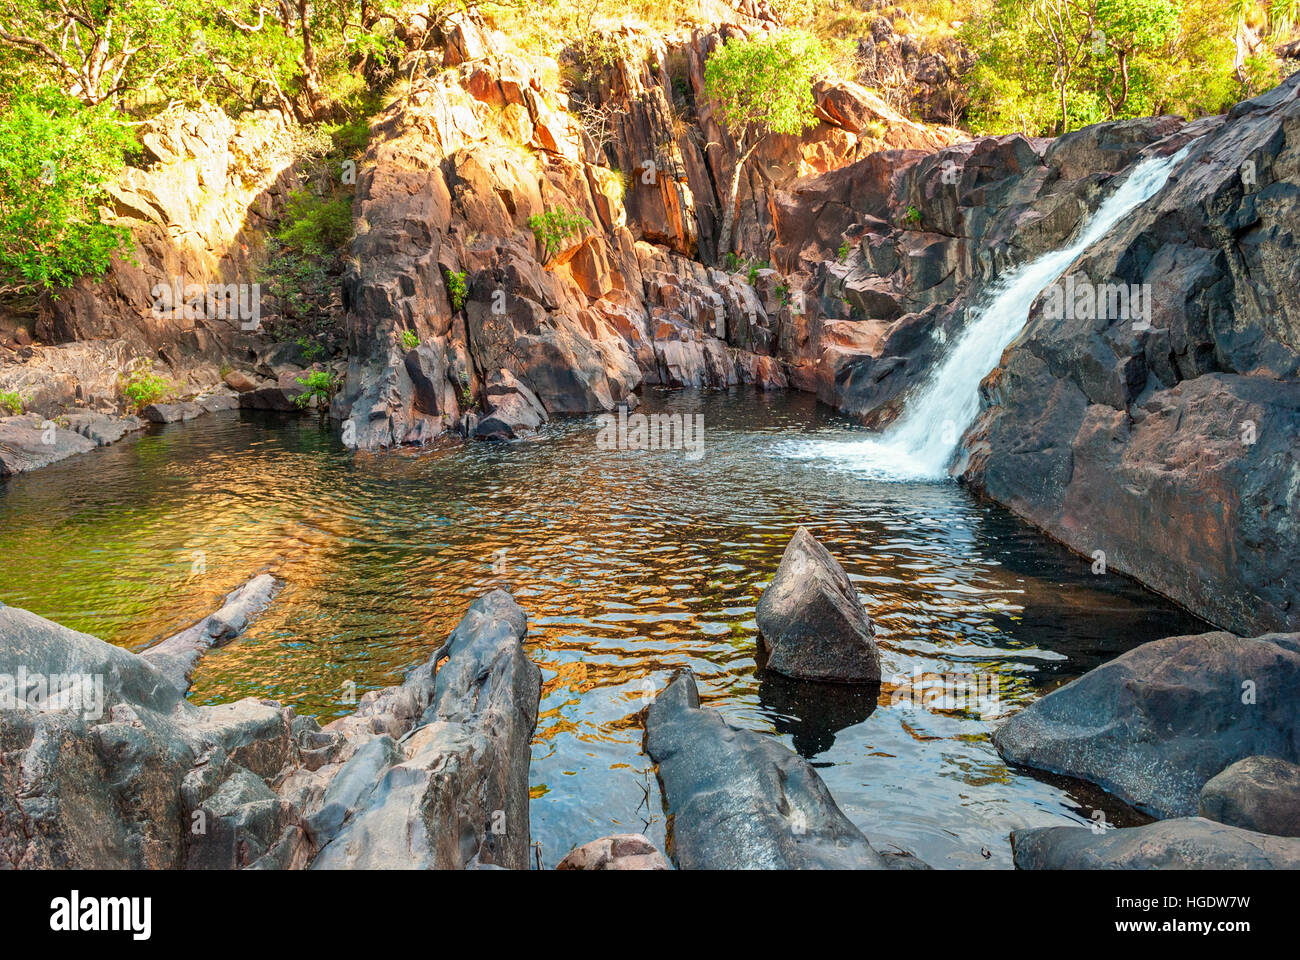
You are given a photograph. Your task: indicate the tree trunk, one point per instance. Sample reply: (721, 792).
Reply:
(733, 191)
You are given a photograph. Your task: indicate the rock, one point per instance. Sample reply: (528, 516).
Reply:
(459, 798)
(1183, 844)
(513, 410)
(239, 381)
(740, 800)
(177, 656)
(102, 428)
(623, 851)
(29, 443)
(811, 623)
(1258, 793)
(171, 412)
(1154, 725)
(116, 769)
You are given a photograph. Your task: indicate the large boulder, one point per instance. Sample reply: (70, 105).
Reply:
(1184, 844)
(739, 800)
(811, 623)
(459, 796)
(513, 410)
(1258, 793)
(1155, 724)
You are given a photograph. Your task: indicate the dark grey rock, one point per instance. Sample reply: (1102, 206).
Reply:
(1184, 844)
(172, 412)
(460, 795)
(1258, 793)
(811, 623)
(1154, 725)
(740, 800)
(513, 410)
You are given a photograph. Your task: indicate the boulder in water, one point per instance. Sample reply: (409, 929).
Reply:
(624, 851)
(1258, 793)
(811, 623)
(1154, 725)
(1183, 844)
(739, 800)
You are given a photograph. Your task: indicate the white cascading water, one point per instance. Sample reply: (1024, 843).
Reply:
(921, 443)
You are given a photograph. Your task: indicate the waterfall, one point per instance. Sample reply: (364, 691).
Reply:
(921, 443)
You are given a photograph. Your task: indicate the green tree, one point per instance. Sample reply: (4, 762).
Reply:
(758, 86)
(56, 155)
(1131, 29)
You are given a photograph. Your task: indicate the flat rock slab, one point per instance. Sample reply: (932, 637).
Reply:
(811, 623)
(27, 443)
(1185, 844)
(1258, 793)
(739, 800)
(1155, 724)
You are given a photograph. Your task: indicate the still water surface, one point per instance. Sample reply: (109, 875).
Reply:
(629, 564)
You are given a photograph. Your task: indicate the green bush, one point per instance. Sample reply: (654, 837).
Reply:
(457, 290)
(912, 217)
(554, 227)
(314, 225)
(10, 400)
(320, 386)
(56, 156)
(312, 350)
(410, 339)
(145, 387)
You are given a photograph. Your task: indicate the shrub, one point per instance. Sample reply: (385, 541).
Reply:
(320, 386)
(554, 227)
(457, 291)
(314, 225)
(144, 387)
(9, 400)
(912, 217)
(410, 339)
(312, 350)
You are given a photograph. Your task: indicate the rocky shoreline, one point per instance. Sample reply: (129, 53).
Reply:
(434, 773)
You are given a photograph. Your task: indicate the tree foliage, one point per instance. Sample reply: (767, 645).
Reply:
(56, 156)
(757, 86)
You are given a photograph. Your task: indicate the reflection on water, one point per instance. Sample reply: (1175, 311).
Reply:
(629, 563)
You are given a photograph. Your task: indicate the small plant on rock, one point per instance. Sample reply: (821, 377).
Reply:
(320, 386)
(9, 400)
(457, 291)
(143, 387)
(554, 227)
(845, 247)
(410, 339)
(912, 217)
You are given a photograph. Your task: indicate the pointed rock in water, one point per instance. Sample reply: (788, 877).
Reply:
(811, 623)
(1258, 793)
(1186, 844)
(741, 801)
(1154, 725)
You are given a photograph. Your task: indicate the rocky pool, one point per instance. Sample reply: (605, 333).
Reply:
(629, 563)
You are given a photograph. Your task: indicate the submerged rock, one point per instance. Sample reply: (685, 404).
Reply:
(811, 623)
(739, 800)
(1185, 844)
(1258, 793)
(623, 851)
(178, 655)
(1154, 725)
